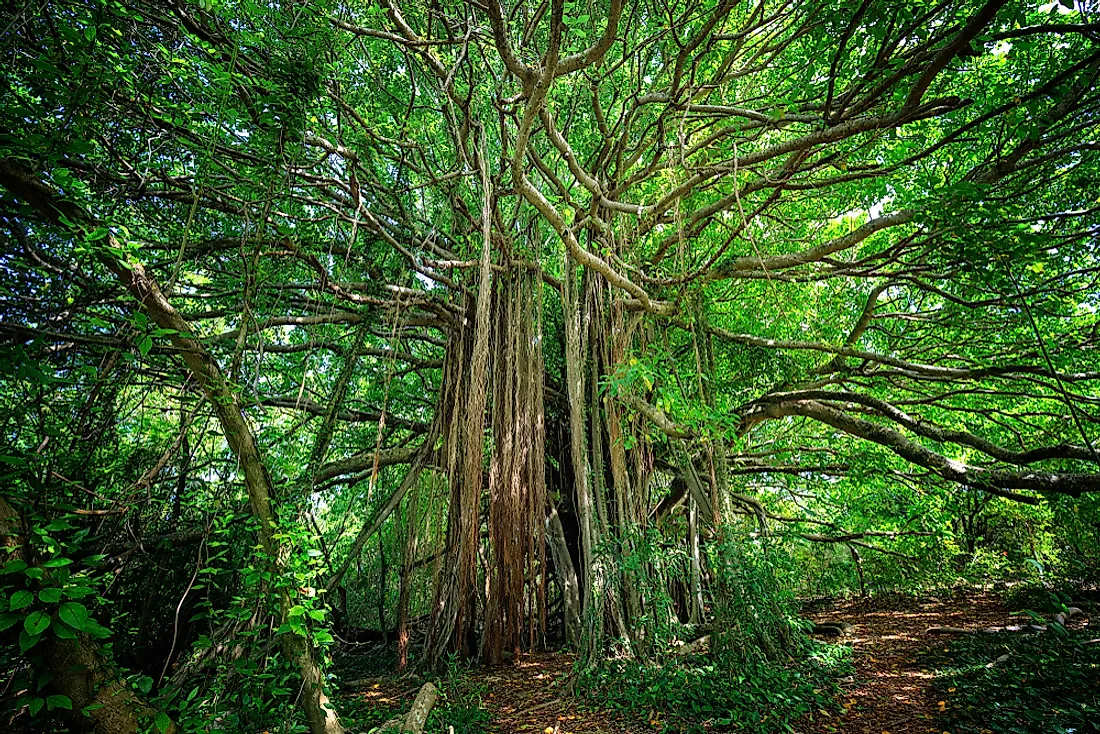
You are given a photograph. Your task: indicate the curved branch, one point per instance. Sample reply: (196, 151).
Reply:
(996, 481)
(942, 435)
(656, 416)
(594, 53)
(980, 20)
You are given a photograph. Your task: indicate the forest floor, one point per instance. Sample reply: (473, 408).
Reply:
(528, 696)
(891, 690)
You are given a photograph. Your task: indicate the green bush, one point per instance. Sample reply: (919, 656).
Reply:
(1049, 682)
(699, 695)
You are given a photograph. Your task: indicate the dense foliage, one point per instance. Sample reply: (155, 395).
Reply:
(479, 328)
(1034, 684)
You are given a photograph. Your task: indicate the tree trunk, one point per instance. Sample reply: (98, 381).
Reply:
(408, 560)
(574, 376)
(696, 586)
(567, 577)
(320, 716)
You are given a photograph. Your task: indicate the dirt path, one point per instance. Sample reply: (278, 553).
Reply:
(529, 697)
(890, 691)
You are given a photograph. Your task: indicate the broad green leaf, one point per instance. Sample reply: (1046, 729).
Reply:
(36, 623)
(75, 615)
(59, 702)
(50, 595)
(21, 599)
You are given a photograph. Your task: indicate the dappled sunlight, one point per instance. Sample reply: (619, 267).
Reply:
(561, 366)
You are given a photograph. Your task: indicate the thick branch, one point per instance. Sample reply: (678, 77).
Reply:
(997, 481)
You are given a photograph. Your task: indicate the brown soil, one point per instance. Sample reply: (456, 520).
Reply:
(528, 696)
(889, 693)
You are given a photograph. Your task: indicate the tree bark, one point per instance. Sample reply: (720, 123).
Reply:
(567, 577)
(696, 614)
(574, 376)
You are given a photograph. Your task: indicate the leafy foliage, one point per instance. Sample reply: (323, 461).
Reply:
(698, 695)
(473, 325)
(1017, 683)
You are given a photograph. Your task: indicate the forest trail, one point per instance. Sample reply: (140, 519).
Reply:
(528, 696)
(891, 691)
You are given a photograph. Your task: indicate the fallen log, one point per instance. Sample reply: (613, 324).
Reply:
(938, 630)
(692, 647)
(417, 717)
(1063, 617)
(832, 629)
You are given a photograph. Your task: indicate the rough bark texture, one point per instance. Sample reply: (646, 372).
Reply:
(414, 721)
(574, 377)
(567, 576)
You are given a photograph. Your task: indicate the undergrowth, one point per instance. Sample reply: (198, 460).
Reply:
(697, 695)
(459, 709)
(1049, 682)
(461, 706)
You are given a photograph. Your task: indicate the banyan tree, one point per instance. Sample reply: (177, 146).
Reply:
(529, 323)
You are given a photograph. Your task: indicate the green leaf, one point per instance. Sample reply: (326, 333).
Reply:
(26, 642)
(35, 706)
(63, 632)
(75, 615)
(15, 566)
(36, 623)
(162, 721)
(59, 702)
(21, 599)
(76, 592)
(57, 562)
(50, 595)
(96, 630)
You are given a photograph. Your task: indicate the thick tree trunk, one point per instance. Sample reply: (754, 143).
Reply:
(574, 377)
(451, 400)
(473, 443)
(696, 585)
(567, 577)
(408, 561)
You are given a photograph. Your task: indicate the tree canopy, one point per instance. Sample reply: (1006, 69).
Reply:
(499, 324)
